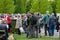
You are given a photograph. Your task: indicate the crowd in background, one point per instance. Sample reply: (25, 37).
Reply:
(6, 20)
(5, 26)
(32, 23)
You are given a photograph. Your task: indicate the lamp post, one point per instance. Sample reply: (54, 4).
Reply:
(53, 5)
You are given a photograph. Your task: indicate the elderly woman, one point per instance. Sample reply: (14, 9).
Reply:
(19, 23)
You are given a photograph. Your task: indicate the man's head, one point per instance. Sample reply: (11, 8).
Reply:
(28, 13)
(52, 14)
(32, 13)
(47, 12)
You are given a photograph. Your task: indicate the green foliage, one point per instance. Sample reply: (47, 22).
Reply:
(13, 26)
(20, 6)
(35, 6)
(23, 6)
(7, 6)
(41, 6)
(45, 5)
(28, 5)
(1, 6)
(58, 6)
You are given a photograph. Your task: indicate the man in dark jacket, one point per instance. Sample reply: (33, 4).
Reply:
(52, 24)
(4, 27)
(32, 23)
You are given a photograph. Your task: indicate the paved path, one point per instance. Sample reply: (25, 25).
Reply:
(56, 34)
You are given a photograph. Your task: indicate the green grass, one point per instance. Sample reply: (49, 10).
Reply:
(23, 37)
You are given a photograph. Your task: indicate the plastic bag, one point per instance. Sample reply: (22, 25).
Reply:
(22, 30)
(7, 26)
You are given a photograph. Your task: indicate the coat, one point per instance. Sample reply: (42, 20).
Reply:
(18, 23)
(46, 19)
(52, 22)
(9, 21)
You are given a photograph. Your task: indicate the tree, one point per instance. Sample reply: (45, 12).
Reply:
(28, 5)
(45, 5)
(14, 2)
(20, 6)
(35, 6)
(58, 6)
(41, 6)
(7, 6)
(1, 6)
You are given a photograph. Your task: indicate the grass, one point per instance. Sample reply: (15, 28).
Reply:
(23, 37)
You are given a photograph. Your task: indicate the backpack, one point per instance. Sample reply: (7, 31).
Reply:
(33, 20)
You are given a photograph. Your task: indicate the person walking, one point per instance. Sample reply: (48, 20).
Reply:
(32, 24)
(57, 23)
(28, 26)
(19, 24)
(52, 24)
(45, 21)
(9, 21)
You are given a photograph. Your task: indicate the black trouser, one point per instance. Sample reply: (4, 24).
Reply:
(57, 26)
(46, 29)
(19, 32)
(9, 30)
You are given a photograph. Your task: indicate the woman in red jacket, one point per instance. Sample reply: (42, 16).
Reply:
(9, 21)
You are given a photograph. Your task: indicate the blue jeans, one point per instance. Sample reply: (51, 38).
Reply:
(51, 30)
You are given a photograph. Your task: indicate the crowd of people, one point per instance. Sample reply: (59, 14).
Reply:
(32, 24)
(6, 20)
(5, 26)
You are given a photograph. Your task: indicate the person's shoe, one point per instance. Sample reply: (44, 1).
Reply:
(45, 35)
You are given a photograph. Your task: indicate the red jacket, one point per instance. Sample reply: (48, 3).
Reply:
(8, 20)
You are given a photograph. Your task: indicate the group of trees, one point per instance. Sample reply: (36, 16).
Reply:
(7, 6)
(23, 6)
